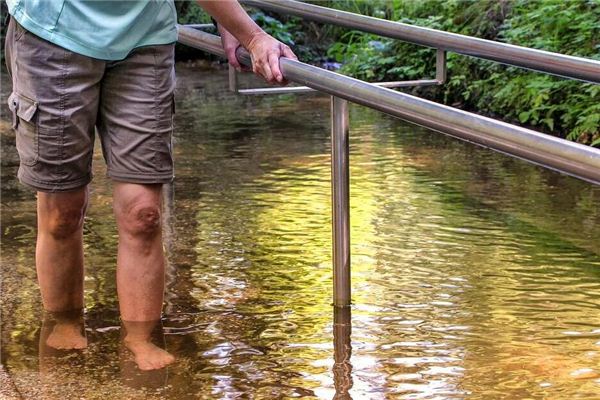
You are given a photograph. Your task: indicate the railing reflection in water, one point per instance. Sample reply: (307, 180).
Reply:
(342, 345)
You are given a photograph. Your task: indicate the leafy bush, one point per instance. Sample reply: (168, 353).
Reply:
(276, 28)
(559, 106)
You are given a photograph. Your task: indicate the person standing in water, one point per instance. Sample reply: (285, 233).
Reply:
(108, 66)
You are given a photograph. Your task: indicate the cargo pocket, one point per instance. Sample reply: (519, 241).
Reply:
(24, 112)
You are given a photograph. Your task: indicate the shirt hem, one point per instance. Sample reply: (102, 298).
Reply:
(70, 44)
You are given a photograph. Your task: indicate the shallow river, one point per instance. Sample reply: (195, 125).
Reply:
(474, 275)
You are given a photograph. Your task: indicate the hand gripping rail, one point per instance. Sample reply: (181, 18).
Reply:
(554, 153)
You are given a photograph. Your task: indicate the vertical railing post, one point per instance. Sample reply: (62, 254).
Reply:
(340, 201)
(233, 79)
(440, 66)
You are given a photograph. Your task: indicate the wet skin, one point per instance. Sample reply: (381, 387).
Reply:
(140, 266)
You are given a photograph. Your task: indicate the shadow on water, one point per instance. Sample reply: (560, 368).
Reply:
(474, 275)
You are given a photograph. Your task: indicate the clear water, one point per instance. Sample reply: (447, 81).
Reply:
(474, 275)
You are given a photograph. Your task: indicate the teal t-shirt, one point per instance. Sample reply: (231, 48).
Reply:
(107, 30)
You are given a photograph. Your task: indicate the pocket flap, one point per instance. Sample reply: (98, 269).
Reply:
(24, 106)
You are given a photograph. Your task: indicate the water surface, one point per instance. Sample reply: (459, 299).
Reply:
(474, 275)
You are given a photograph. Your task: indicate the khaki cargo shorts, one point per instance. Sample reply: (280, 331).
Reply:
(60, 98)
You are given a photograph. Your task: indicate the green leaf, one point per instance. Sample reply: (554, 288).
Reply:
(524, 116)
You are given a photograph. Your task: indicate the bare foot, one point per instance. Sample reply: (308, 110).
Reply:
(66, 336)
(149, 356)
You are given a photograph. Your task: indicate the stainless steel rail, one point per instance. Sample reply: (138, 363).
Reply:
(537, 60)
(200, 26)
(306, 89)
(561, 155)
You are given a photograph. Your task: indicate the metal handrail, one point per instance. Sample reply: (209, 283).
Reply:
(554, 153)
(537, 60)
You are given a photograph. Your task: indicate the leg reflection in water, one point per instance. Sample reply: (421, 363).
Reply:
(145, 339)
(342, 368)
(142, 363)
(61, 354)
(64, 330)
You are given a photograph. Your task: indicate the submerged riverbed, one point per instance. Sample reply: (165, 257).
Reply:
(474, 275)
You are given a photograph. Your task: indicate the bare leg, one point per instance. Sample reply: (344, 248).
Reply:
(140, 269)
(59, 263)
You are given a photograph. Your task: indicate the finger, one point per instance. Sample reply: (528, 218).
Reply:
(265, 71)
(258, 69)
(273, 59)
(288, 53)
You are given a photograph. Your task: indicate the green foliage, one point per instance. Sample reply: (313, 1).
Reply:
(279, 30)
(188, 12)
(555, 105)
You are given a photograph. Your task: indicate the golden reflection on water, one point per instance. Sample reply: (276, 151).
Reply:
(473, 276)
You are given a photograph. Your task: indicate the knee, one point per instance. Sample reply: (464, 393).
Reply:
(142, 220)
(65, 222)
